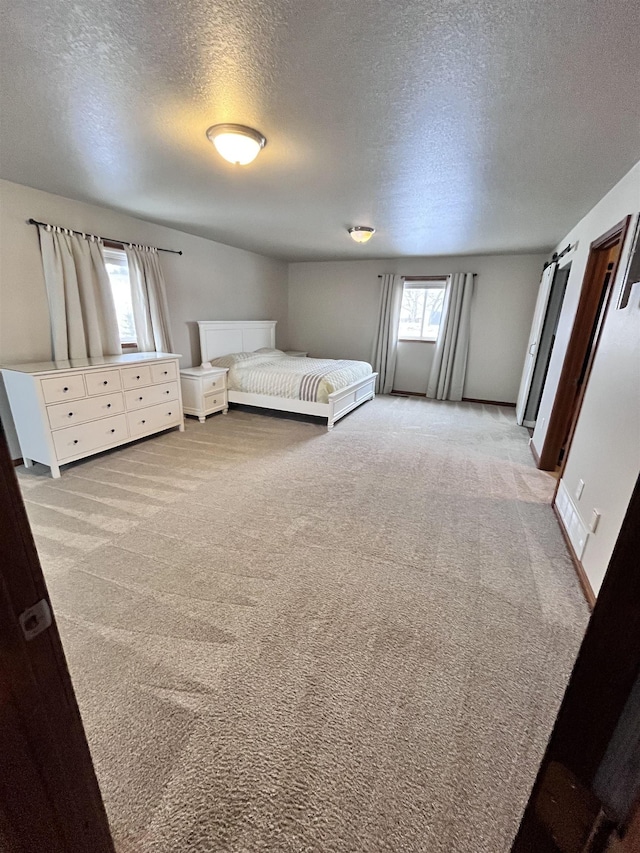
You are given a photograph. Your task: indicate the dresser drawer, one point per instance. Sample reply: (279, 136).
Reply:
(135, 377)
(103, 381)
(85, 438)
(151, 395)
(154, 418)
(164, 372)
(87, 409)
(63, 388)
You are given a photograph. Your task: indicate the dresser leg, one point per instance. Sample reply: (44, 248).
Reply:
(55, 472)
(225, 411)
(28, 463)
(181, 427)
(201, 419)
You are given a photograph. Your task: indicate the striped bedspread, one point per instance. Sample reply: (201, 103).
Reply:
(276, 374)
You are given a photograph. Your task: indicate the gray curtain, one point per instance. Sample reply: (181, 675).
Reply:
(446, 380)
(81, 308)
(149, 299)
(385, 346)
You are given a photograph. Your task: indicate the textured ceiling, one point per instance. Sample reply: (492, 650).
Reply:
(459, 126)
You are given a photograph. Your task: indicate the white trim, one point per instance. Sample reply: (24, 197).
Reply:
(568, 257)
(434, 284)
(537, 325)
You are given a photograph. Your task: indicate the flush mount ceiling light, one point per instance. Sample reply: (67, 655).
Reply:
(236, 143)
(360, 233)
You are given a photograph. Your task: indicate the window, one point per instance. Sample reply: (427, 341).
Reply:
(118, 269)
(421, 311)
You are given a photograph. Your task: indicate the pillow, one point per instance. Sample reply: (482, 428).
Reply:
(238, 357)
(270, 351)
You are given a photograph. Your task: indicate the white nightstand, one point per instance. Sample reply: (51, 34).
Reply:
(204, 391)
(296, 353)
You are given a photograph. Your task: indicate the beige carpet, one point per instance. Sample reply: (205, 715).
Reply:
(289, 640)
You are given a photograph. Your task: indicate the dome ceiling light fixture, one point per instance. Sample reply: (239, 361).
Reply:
(238, 144)
(361, 233)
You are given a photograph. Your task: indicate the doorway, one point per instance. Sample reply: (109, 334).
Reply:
(596, 291)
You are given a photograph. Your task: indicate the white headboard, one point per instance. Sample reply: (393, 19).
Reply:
(221, 337)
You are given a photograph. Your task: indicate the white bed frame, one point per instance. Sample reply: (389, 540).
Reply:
(221, 337)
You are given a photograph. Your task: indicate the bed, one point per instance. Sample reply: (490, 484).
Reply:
(262, 376)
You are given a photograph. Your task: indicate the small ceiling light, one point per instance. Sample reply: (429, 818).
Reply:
(236, 143)
(360, 233)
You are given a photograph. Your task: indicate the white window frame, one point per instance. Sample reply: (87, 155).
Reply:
(433, 283)
(115, 254)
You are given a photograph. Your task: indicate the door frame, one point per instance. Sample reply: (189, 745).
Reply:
(566, 409)
(49, 795)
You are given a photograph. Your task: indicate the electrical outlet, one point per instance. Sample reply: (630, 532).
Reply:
(579, 489)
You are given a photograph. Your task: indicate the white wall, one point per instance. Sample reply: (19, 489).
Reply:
(333, 310)
(605, 451)
(209, 281)
(413, 366)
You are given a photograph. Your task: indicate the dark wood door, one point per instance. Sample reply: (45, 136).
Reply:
(587, 795)
(597, 286)
(49, 796)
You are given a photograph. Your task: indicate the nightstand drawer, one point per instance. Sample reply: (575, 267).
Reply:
(86, 409)
(149, 396)
(215, 402)
(103, 381)
(63, 388)
(76, 441)
(213, 383)
(154, 418)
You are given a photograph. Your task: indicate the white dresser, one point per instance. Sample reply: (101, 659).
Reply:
(65, 411)
(204, 391)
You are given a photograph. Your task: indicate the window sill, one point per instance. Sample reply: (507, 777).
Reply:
(416, 340)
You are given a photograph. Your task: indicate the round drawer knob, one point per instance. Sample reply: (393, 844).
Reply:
(169, 412)
(75, 440)
(166, 372)
(144, 422)
(108, 405)
(106, 382)
(137, 377)
(113, 430)
(66, 388)
(167, 392)
(139, 398)
(70, 415)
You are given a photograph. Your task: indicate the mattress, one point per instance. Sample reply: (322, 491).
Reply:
(273, 373)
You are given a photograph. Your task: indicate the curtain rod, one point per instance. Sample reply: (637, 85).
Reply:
(426, 277)
(107, 239)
